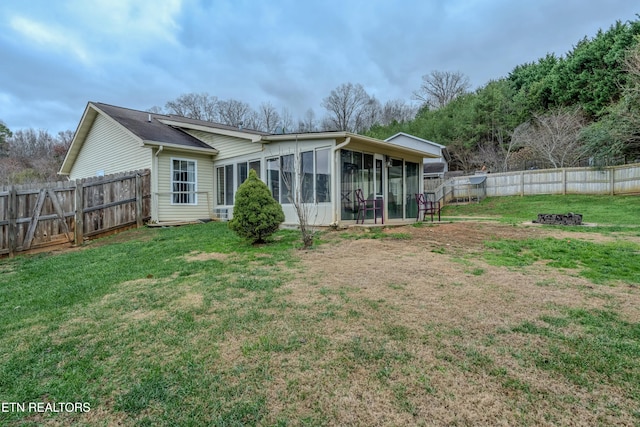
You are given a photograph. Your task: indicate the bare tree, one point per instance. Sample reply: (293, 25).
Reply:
(286, 121)
(296, 175)
(199, 106)
(155, 110)
(441, 87)
(252, 120)
(269, 117)
(496, 155)
(368, 115)
(308, 122)
(345, 105)
(233, 112)
(555, 136)
(33, 156)
(463, 156)
(397, 110)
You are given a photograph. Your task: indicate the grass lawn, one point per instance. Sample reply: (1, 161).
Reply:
(602, 210)
(192, 326)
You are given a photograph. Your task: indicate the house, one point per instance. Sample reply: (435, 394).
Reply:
(433, 167)
(197, 166)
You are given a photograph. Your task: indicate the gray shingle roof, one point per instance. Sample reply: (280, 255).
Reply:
(138, 123)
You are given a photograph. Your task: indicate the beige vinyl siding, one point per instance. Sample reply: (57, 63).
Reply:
(227, 146)
(110, 149)
(204, 186)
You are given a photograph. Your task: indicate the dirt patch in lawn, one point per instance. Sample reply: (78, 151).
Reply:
(431, 327)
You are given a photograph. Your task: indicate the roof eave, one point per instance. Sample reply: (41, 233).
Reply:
(84, 125)
(415, 137)
(343, 135)
(306, 136)
(212, 129)
(176, 147)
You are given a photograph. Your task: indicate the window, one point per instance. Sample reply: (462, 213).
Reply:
(242, 172)
(288, 185)
(183, 182)
(228, 185)
(357, 173)
(306, 168)
(220, 188)
(323, 176)
(255, 165)
(225, 189)
(314, 181)
(273, 177)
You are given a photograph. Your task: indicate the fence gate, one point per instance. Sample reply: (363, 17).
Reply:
(37, 215)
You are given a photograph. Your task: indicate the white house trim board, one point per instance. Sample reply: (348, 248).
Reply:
(212, 129)
(210, 151)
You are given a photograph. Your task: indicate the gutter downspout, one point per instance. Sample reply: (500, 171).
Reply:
(155, 214)
(336, 165)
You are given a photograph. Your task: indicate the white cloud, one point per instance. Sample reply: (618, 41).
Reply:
(50, 37)
(130, 24)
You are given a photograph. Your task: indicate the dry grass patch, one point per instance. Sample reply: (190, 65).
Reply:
(204, 256)
(419, 331)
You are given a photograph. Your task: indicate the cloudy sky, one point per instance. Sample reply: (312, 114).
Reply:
(56, 55)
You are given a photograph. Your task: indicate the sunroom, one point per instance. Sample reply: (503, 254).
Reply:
(324, 171)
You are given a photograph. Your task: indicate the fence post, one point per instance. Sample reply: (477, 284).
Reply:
(139, 196)
(79, 196)
(522, 183)
(564, 181)
(612, 180)
(13, 220)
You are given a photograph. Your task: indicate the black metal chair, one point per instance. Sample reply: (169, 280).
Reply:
(368, 205)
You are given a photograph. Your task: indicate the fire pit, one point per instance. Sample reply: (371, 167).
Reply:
(559, 219)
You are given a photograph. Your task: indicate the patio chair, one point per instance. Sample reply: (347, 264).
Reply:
(427, 207)
(368, 205)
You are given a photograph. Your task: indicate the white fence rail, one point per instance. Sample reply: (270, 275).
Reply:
(611, 180)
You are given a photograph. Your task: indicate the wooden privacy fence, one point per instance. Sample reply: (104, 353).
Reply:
(613, 180)
(37, 215)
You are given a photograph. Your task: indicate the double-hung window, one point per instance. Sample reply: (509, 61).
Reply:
(183, 182)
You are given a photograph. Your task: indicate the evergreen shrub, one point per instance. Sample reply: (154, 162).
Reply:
(256, 214)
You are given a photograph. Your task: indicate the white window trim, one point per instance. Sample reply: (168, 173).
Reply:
(195, 183)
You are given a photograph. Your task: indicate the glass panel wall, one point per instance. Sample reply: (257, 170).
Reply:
(228, 187)
(306, 169)
(395, 197)
(413, 187)
(255, 165)
(323, 176)
(287, 181)
(243, 173)
(220, 192)
(273, 177)
(357, 173)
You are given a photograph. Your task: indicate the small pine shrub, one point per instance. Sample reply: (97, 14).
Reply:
(256, 214)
